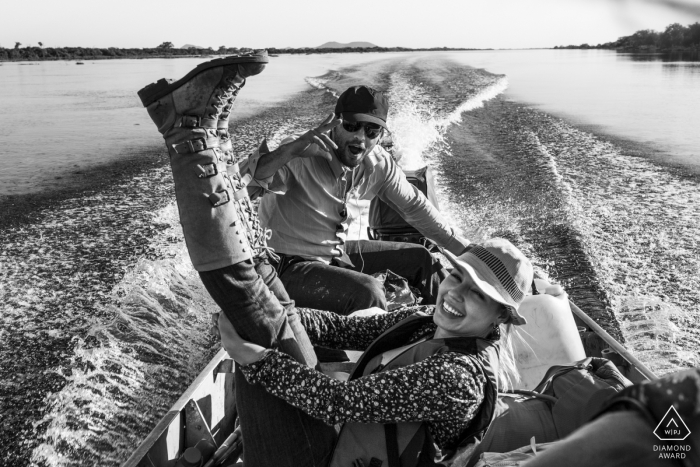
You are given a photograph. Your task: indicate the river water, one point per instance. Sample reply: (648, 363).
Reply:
(587, 160)
(78, 116)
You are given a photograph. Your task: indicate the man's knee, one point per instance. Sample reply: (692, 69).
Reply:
(367, 292)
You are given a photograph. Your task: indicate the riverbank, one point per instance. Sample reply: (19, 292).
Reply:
(36, 54)
(74, 58)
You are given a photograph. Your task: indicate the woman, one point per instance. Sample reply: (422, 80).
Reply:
(450, 391)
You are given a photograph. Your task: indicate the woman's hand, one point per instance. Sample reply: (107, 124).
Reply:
(240, 350)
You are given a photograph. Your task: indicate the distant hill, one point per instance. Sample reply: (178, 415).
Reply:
(338, 45)
(190, 46)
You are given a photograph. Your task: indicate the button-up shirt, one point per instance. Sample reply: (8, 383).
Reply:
(305, 202)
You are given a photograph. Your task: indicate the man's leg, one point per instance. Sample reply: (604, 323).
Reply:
(411, 261)
(313, 284)
(269, 276)
(253, 309)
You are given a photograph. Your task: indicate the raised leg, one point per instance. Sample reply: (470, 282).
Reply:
(226, 245)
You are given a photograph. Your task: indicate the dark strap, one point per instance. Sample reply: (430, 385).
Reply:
(558, 370)
(536, 395)
(195, 121)
(388, 340)
(196, 145)
(392, 445)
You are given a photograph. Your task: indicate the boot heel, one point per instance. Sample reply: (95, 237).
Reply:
(153, 91)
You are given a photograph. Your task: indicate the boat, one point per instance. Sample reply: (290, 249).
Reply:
(79, 63)
(207, 409)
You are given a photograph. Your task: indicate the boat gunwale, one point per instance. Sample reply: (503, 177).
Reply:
(144, 448)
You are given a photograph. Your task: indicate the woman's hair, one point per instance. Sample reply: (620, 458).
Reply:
(507, 374)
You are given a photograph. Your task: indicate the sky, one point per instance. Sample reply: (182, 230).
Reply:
(388, 23)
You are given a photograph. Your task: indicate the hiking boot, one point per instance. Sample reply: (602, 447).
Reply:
(187, 113)
(255, 233)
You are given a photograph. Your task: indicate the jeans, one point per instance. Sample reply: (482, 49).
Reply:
(274, 432)
(313, 284)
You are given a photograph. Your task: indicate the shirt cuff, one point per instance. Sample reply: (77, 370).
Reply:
(457, 245)
(252, 371)
(252, 166)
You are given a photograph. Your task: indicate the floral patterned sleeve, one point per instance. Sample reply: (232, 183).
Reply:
(351, 332)
(445, 390)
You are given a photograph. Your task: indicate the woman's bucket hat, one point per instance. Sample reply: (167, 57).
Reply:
(500, 270)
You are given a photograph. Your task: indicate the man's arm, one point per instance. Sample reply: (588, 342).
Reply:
(415, 208)
(313, 143)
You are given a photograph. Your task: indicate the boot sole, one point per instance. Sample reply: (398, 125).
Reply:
(163, 87)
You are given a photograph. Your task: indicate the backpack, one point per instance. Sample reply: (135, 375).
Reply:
(567, 397)
(655, 422)
(386, 224)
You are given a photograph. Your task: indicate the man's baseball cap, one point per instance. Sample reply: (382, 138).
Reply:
(363, 104)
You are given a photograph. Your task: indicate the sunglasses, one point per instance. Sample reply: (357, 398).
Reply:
(372, 130)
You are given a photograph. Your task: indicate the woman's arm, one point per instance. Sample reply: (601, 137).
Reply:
(350, 332)
(444, 387)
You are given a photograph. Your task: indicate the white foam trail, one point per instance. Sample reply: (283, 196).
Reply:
(477, 101)
(413, 121)
(321, 82)
(153, 339)
(418, 131)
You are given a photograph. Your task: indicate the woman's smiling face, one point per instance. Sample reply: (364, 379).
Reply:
(463, 310)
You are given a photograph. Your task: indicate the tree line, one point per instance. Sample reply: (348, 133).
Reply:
(674, 37)
(167, 50)
(89, 53)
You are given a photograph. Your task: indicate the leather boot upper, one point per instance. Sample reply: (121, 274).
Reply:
(212, 203)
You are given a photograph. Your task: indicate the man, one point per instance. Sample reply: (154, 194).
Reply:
(305, 207)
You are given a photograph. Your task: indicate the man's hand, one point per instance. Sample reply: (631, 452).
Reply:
(316, 142)
(240, 350)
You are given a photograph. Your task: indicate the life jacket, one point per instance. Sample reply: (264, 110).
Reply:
(409, 444)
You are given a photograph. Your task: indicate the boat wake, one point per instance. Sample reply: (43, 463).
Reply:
(151, 343)
(613, 228)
